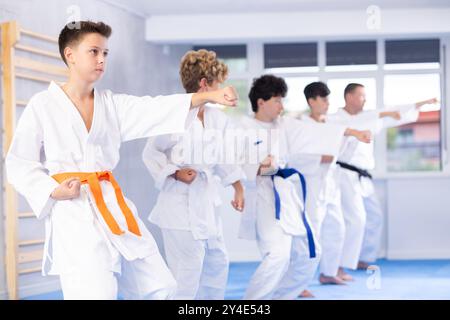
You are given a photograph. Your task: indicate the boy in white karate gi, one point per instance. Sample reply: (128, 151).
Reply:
(323, 206)
(274, 213)
(95, 240)
(323, 200)
(184, 167)
(362, 211)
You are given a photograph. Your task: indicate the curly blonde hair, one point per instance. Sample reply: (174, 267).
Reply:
(196, 65)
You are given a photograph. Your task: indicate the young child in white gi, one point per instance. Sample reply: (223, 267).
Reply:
(185, 168)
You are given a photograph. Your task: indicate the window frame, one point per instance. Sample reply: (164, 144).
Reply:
(255, 68)
(380, 145)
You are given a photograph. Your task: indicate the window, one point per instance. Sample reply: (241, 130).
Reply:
(337, 87)
(288, 55)
(351, 56)
(412, 54)
(410, 70)
(415, 146)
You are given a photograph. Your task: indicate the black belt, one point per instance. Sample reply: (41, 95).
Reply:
(359, 171)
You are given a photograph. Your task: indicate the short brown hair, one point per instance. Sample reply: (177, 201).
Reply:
(351, 87)
(196, 65)
(74, 31)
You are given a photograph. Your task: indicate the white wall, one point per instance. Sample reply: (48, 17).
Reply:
(285, 26)
(418, 218)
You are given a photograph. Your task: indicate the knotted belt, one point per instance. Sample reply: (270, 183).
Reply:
(93, 180)
(286, 173)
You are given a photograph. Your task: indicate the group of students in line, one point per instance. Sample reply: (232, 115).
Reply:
(302, 185)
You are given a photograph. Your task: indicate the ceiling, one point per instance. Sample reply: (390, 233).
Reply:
(147, 8)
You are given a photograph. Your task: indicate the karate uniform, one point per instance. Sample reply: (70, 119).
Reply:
(362, 211)
(323, 206)
(288, 264)
(93, 257)
(186, 213)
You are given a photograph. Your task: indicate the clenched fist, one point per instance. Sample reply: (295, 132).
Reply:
(186, 175)
(227, 96)
(68, 189)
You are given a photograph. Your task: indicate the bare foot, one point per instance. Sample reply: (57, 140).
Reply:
(344, 275)
(363, 265)
(323, 279)
(306, 294)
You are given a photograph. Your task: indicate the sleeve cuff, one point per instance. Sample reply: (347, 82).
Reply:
(42, 211)
(167, 171)
(236, 175)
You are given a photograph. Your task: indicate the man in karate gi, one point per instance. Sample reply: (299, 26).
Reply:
(361, 208)
(95, 240)
(184, 167)
(275, 191)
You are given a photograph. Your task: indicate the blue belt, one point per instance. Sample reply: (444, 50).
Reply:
(286, 173)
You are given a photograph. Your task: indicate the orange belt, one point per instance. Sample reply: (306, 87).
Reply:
(93, 180)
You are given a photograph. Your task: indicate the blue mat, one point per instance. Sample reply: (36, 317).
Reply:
(393, 280)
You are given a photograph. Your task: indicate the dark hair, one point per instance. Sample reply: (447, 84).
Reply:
(266, 87)
(351, 87)
(316, 89)
(74, 31)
